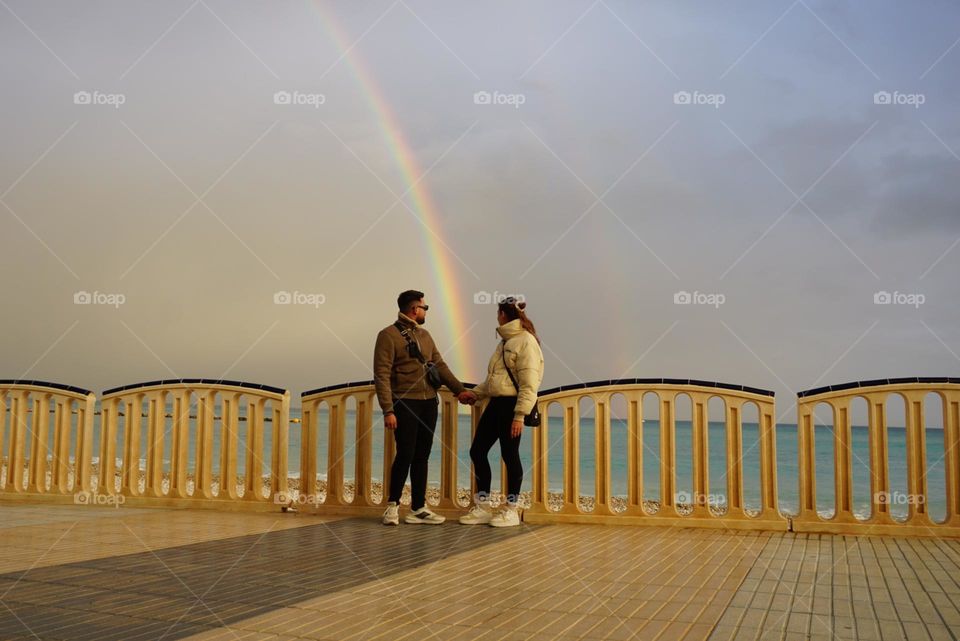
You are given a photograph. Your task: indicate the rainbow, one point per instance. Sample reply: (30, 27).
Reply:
(447, 290)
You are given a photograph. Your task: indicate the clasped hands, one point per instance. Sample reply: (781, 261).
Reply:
(467, 397)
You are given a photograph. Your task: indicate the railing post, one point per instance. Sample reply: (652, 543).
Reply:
(734, 433)
(62, 414)
(879, 458)
(842, 461)
(281, 444)
(335, 451)
(668, 455)
(449, 418)
(540, 480)
(253, 489)
(155, 423)
(389, 453)
(180, 443)
(363, 460)
(203, 468)
(84, 459)
(39, 436)
(108, 447)
(308, 451)
(916, 459)
(951, 447)
(571, 455)
(18, 433)
(805, 453)
(133, 419)
(601, 430)
(634, 455)
(768, 459)
(229, 445)
(701, 467)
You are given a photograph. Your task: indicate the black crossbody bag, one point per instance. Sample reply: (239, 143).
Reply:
(533, 418)
(413, 349)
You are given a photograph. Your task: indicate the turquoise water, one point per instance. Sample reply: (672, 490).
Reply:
(787, 475)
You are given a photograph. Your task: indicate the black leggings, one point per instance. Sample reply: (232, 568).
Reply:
(416, 422)
(494, 425)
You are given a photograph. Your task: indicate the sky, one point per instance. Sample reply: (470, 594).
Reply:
(761, 193)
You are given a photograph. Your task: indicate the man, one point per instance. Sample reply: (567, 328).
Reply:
(403, 354)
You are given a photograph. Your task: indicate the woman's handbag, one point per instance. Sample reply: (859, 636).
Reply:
(533, 418)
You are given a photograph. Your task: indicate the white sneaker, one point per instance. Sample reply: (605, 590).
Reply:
(424, 516)
(509, 516)
(479, 514)
(392, 515)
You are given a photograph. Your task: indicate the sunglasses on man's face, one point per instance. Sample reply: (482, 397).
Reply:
(425, 308)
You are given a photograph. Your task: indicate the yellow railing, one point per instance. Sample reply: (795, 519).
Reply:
(180, 443)
(203, 409)
(695, 510)
(875, 394)
(334, 400)
(37, 463)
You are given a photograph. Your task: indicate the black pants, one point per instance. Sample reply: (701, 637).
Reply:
(494, 425)
(416, 422)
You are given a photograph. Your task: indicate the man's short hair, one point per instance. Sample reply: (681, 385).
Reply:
(407, 298)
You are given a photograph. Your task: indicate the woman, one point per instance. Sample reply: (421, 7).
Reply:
(513, 378)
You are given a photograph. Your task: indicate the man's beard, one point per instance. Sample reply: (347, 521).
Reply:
(421, 321)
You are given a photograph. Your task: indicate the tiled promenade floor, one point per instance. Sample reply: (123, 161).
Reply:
(76, 572)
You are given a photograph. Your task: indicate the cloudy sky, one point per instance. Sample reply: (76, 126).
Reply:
(183, 166)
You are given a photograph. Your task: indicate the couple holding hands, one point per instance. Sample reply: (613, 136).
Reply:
(408, 370)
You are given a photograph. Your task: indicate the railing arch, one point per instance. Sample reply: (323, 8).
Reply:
(148, 402)
(29, 406)
(913, 391)
(698, 512)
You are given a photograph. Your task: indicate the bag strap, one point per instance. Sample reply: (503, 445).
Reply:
(503, 355)
(405, 332)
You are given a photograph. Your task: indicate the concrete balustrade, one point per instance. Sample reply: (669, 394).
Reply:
(49, 438)
(200, 410)
(224, 445)
(839, 398)
(697, 512)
